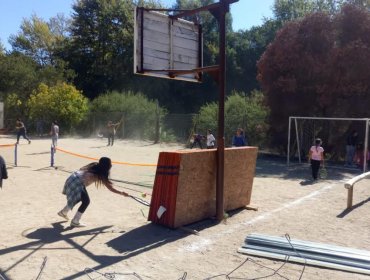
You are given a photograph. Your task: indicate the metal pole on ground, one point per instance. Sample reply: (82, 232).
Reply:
(15, 154)
(366, 145)
(288, 148)
(52, 156)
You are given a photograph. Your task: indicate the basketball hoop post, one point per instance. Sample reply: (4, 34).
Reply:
(221, 17)
(155, 60)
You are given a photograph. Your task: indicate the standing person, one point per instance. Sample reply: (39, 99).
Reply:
(3, 171)
(21, 131)
(238, 139)
(210, 140)
(54, 132)
(316, 157)
(75, 187)
(112, 129)
(197, 140)
(351, 147)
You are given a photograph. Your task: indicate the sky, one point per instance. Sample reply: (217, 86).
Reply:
(245, 13)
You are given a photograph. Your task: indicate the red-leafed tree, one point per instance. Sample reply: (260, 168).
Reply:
(318, 66)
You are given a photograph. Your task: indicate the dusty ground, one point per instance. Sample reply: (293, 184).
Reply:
(35, 243)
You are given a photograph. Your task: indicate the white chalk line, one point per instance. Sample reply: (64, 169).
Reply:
(204, 242)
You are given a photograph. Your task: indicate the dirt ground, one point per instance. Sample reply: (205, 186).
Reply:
(35, 243)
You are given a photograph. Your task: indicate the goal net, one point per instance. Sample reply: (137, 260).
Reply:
(302, 132)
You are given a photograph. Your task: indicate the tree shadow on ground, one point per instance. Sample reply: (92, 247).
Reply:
(43, 236)
(275, 166)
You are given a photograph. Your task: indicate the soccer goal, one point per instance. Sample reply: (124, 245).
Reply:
(302, 132)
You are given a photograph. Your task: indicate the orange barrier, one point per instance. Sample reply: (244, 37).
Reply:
(7, 145)
(96, 159)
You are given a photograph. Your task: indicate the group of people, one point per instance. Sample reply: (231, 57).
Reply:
(355, 151)
(22, 131)
(354, 157)
(76, 184)
(238, 140)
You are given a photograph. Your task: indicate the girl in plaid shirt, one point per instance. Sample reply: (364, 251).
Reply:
(75, 187)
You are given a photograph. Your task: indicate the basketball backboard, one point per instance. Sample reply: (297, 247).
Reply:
(165, 47)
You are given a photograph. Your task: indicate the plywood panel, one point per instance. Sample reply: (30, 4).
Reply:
(196, 184)
(166, 44)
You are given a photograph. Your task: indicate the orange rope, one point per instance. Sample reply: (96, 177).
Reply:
(7, 145)
(114, 162)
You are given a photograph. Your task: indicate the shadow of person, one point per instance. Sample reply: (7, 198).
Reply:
(307, 182)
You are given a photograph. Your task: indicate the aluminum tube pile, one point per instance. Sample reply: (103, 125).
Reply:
(318, 254)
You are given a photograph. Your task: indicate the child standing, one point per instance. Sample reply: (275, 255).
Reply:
(210, 140)
(316, 157)
(75, 187)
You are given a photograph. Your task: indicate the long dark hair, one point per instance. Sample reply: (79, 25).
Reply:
(100, 169)
(317, 143)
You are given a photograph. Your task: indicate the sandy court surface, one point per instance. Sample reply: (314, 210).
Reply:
(119, 239)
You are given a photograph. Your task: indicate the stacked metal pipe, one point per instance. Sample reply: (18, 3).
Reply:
(311, 253)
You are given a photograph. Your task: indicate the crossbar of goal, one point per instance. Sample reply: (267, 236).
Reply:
(295, 118)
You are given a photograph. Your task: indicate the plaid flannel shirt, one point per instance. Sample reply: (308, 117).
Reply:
(73, 188)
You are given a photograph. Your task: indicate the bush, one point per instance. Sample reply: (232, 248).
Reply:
(247, 112)
(137, 112)
(61, 102)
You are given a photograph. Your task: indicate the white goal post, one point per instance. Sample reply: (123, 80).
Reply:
(295, 119)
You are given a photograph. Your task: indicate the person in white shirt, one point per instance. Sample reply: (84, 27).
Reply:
(316, 157)
(54, 132)
(210, 140)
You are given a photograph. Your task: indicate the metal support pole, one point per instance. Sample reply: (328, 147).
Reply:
(298, 144)
(366, 145)
(16, 154)
(52, 156)
(288, 149)
(221, 112)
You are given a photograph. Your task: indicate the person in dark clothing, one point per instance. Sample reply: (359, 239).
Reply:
(3, 171)
(197, 140)
(21, 131)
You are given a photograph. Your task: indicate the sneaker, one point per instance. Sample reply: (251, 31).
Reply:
(60, 213)
(29, 141)
(74, 224)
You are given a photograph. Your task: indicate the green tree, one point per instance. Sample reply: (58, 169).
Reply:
(18, 74)
(61, 102)
(101, 48)
(36, 40)
(241, 111)
(136, 110)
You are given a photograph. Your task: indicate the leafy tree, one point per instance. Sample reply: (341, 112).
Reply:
(18, 75)
(2, 49)
(318, 66)
(136, 110)
(35, 40)
(100, 50)
(241, 111)
(61, 102)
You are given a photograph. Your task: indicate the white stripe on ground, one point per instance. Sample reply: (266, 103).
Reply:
(203, 243)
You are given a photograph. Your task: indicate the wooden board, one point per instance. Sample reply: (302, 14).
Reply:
(185, 184)
(161, 43)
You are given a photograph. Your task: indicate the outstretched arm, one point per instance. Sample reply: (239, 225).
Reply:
(110, 187)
